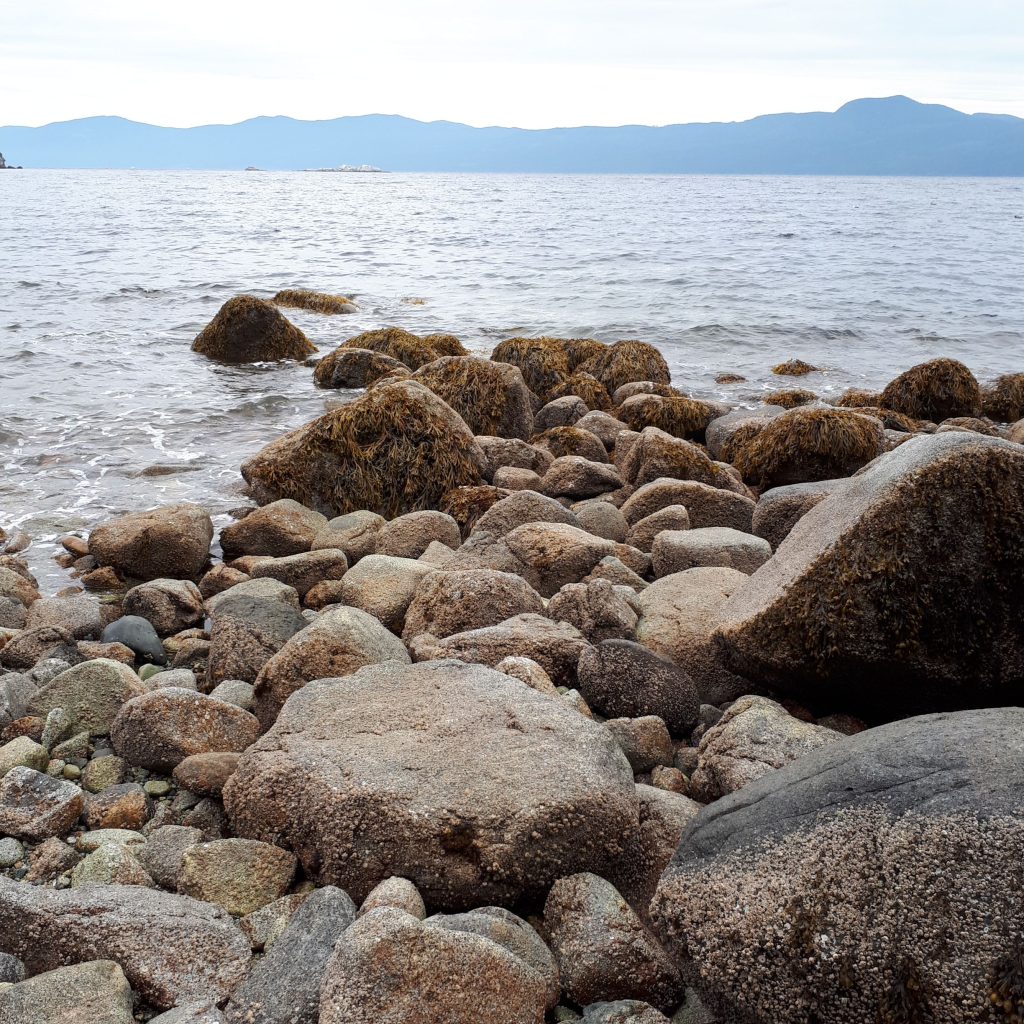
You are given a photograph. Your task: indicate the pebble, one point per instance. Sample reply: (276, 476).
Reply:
(157, 787)
(11, 851)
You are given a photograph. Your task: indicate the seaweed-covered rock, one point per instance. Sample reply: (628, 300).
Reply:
(543, 362)
(584, 386)
(936, 390)
(172, 542)
(876, 878)
(726, 433)
(791, 399)
(396, 449)
(390, 968)
(627, 361)
(491, 397)
(569, 440)
(655, 454)
(419, 768)
(251, 330)
(794, 368)
(354, 368)
(172, 949)
(315, 302)
(1003, 399)
(810, 444)
(467, 504)
(676, 415)
(902, 591)
(407, 348)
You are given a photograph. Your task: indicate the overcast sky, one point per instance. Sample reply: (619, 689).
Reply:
(529, 63)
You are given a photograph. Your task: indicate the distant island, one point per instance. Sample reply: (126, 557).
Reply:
(5, 166)
(894, 135)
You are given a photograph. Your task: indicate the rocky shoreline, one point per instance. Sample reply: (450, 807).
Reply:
(533, 689)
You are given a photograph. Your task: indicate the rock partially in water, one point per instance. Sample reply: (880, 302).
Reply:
(251, 330)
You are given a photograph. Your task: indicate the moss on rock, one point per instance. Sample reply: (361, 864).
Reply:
(936, 390)
(794, 368)
(251, 330)
(317, 302)
(675, 414)
(400, 344)
(1003, 399)
(791, 399)
(628, 361)
(543, 362)
(354, 368)
(586, 387)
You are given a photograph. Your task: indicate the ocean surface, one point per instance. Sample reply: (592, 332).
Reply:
(106, 277)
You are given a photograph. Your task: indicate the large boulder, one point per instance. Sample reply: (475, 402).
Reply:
(454, 776)
(338, 642)
(172, 949)
(96, 992)
(384, 586)
(491, 397)
(901, 591)
(171, 542)
(396, 449)
(91, 694)
(936, 390)
(279, 529)
(876, 879)
(390, 968)
(678, 618)
(251, 330)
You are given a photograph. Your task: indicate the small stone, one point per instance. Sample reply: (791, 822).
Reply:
(263, 926)
(125, 806)
(157, 787)
(205, 774)
(645, 741)
(71, 772)
(50, 859)
(395, 892)
(163, 853)
(57, 728)
(86, 842)
(110, 864)
(76, 748)
(11, 851)
(23, 752)
(104, 771)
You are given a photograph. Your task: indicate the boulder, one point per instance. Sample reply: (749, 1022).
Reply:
(160, 729)
(355, 534)
(456, 602)
(384, 586)
(124, 806)
(251, 623)
(643, 533)
(936, 391)
(604, 426)
(205, 774)
(678, 550)
(645, 741)
(518, 509)
(655, 454)
(96, 992)
(778, 510)
(602, 519)
(390, 968)
(110, 864)
(411, 766)
(560, 412)
(23, 752)
(172, 949)
(169, 605)
(138, 636)
(571, 476)
(163, 852)
(903, 590)
(513, 453)
(726, 433)
(603, 949)
(555, 646)
(628, 361)
(284, 987)
(753, 737)
(303, 571)
(596, 608)
(556, 553)
(679, 615)
(396, 449)
(410, 535)
(240, 875)
(623, 679)
(354, 368)
(277, 529)
(17, 587)
(675, 414)
(78, 616)
(251, 330)
(28, 646)
(90, 694)
(872, 879)
(491, 397)
(395, 892)
(338, 642)
(171, 542)
(562, 441)
(34, 806)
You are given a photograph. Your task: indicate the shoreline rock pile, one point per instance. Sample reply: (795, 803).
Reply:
(533, 689)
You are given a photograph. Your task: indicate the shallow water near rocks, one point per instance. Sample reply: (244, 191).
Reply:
(106, 277)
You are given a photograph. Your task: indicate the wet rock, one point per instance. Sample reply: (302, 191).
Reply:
(171, 542)
(77, 616)
(124, 806)
(355, 534)
(389, 968)
(164, 851)
(596, 609)
(678, 550)
(16, 587)
(284, 987)
(90, 694)
(623, 679)
(251, 623)
(428, 752)
(645, 741)
(168, 605)
(160, 729)
(395, 892)
(902, 590)
(445, 603)
(240, 875)
(384, 587)
(754, 736)
(679, 615)
(603, 950)
(779, 509)
(556, 647)
(410, 535)
(705, 505)
(93, 993)
(139, 636)
(34, 806)
(277, 529)
(869, 848)
(251, 330)
(396, 449)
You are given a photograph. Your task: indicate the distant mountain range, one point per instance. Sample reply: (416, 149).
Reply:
(869, 136)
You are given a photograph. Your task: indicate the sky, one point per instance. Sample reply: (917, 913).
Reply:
(526, 63)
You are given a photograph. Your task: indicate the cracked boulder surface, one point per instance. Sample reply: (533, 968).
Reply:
(409, 771)
(865, 877)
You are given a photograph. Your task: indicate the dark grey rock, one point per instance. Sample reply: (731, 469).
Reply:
(138, 635)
